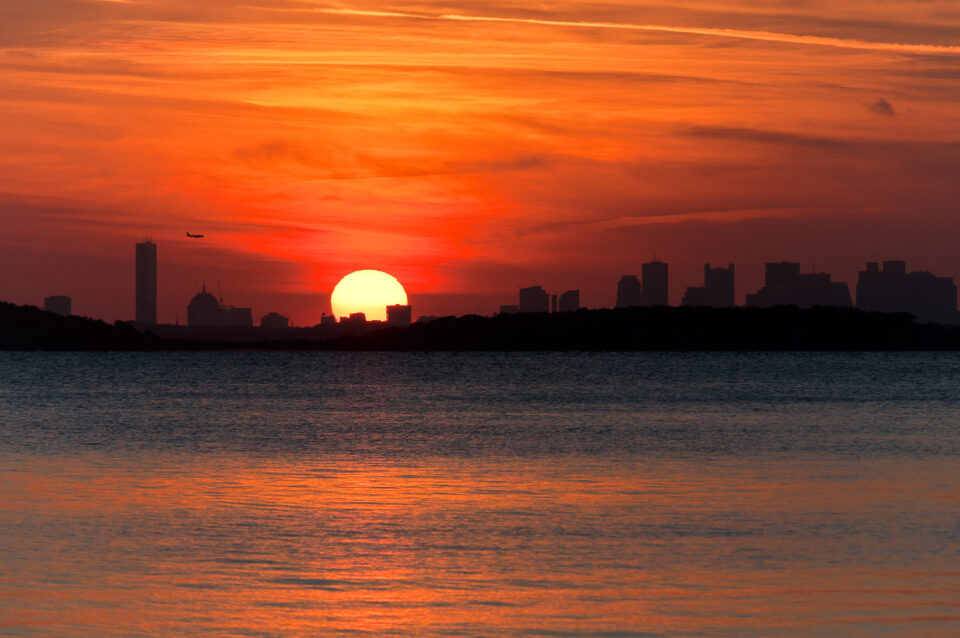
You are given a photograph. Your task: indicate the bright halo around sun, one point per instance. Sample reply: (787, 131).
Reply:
(369, 292)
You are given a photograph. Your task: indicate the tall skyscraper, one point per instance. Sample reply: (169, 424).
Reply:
(147, 282)
(655, 290)
(629, 292)
(718, 288)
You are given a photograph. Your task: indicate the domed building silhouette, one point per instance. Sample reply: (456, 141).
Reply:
(206, 310)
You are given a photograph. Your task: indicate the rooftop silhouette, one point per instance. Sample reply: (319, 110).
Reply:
(274, 321)
(922, 294)
(717, 290)
(205, 310)
(786, 286)
(399, 315)
(533, 299)
(656, 283)
(569, 301)
(629, 292)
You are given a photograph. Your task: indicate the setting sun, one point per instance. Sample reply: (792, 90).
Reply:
(369, 292)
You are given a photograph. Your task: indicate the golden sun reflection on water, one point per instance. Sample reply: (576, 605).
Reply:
(559, 546)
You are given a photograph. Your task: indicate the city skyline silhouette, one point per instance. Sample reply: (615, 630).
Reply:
(920, 293)
(892, 290)
(925, 295)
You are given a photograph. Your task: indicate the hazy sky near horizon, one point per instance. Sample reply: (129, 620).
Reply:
(468, 147)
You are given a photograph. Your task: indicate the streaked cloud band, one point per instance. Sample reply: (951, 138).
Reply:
(739, 34)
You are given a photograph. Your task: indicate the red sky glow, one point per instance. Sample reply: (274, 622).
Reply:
(468, 148)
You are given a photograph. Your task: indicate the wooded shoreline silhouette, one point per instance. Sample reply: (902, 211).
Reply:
(624, 329)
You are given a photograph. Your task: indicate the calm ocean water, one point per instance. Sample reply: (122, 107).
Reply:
(329, 494)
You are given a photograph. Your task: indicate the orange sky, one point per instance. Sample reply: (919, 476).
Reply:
(468, 148)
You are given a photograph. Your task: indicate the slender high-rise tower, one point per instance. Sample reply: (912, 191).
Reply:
(147, 282)
(655, 289)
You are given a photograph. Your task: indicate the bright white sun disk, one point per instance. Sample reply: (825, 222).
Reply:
(369, 292)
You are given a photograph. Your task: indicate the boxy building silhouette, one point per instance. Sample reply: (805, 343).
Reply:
(274, 321)
(629, 292)
(785, 286)
(569, 301)
(400, 315)
(655, 283)
(694, 296)
(717, 290)
(534, 299)
(922, 294)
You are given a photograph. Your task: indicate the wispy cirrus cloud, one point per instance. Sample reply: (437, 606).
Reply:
(738, 34)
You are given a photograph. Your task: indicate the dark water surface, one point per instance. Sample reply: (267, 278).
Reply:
(336, 494)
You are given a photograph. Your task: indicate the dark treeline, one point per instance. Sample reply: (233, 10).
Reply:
(29, 328)
(661, 328)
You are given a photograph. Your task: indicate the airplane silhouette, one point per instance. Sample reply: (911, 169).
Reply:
(195, 236)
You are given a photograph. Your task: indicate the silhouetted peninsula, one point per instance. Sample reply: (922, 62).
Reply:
(30, 328)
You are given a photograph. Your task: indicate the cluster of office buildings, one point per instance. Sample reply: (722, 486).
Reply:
(887, 289)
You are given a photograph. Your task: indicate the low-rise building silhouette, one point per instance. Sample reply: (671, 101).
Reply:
(694, 296)
(206, 310)
(922, 294)
(553, 304)
(784, 285)
(60, 304)
(509, 310)
(569, 301)
(328, 320)
(534, 299)
(354, 319)
(274, 321)
(655, 283)
(629, 292)
(400, 315)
